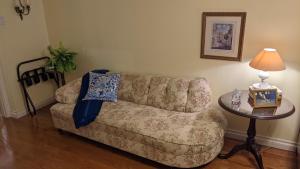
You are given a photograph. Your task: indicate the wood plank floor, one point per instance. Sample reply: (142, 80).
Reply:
(33, 143)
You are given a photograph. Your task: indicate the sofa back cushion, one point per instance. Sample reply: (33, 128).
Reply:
(134, 88)
(168, 93)
(175, 94)
(199, 95)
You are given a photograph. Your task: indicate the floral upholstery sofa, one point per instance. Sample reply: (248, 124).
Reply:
(164, 119)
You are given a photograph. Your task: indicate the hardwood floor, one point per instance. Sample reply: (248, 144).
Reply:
(33, 143)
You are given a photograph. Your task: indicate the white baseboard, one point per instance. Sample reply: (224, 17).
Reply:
(263, 140)
(37, 106)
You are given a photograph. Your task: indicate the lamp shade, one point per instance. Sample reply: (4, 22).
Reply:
(268, 60)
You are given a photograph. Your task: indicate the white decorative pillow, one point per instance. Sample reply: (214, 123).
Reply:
(102, 87)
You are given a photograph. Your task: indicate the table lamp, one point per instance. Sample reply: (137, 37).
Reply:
(267, 60)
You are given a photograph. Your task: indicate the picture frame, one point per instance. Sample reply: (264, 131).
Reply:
(259, 98)
(223, 35)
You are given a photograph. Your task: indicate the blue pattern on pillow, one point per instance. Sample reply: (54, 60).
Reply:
(102, 87)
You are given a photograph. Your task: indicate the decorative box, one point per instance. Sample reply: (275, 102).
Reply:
(270, 97)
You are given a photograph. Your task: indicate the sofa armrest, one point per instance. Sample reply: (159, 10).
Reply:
(69, 93)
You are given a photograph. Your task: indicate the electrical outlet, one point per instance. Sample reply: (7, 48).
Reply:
(2, 21)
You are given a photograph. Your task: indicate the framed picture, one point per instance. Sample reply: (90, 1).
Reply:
(222, 35)
(264, 98)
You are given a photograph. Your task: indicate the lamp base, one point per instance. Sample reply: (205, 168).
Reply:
(262, 85)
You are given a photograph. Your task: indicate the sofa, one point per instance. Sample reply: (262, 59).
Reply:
(169, 120)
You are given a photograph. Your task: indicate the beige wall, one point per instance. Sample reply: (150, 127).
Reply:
(163, 37)
(19, 41)
(1, 86)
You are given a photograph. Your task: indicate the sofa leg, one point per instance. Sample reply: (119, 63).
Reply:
(60, 131)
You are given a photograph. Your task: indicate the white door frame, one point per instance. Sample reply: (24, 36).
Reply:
(4, 103)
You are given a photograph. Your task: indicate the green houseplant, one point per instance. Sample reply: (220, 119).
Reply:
(62, 60)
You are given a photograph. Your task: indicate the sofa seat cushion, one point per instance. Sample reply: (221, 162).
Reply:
(175, 132)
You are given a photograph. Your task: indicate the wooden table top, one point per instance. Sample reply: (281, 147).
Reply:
(285, 109)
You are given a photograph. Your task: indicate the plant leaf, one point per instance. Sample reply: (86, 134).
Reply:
(62, 58)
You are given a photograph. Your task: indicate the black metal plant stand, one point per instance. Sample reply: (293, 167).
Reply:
(250, 145)
(34, 76)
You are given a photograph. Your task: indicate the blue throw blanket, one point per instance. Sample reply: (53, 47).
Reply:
(86, 111)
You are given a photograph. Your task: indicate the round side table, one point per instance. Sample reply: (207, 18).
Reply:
(285, 109)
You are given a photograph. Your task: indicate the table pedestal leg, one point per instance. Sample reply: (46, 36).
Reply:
(250, 145)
